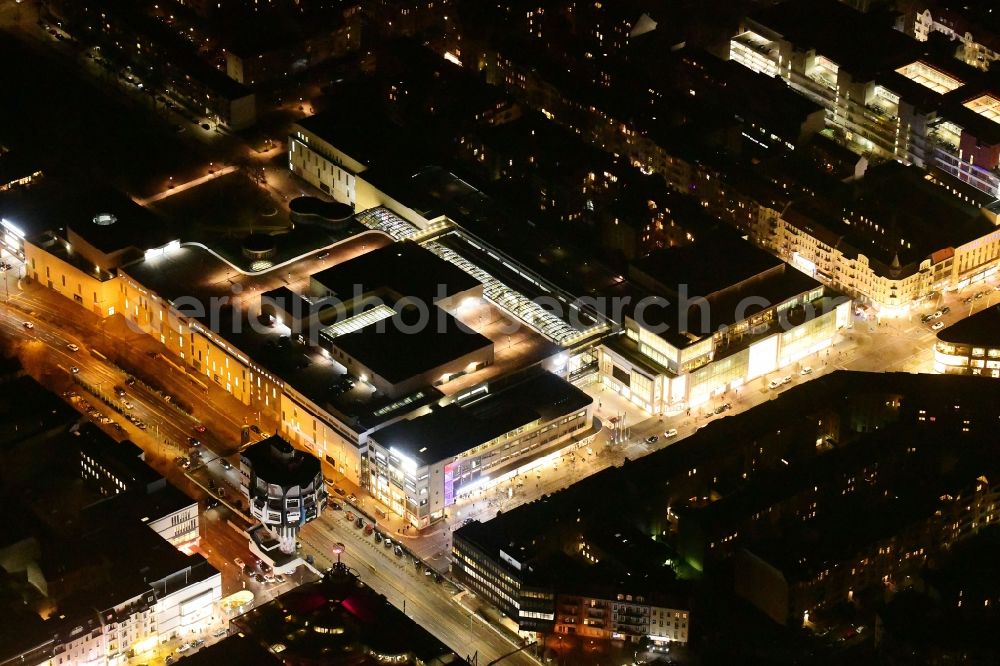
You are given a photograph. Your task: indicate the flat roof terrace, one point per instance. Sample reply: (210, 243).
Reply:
(194, 272)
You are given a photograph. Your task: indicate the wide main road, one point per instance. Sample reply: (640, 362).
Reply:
(433, 606)
(430, 604)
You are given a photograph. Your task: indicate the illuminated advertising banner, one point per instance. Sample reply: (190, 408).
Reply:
(763, 357)
(449, 485)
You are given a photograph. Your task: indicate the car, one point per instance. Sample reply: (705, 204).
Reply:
(359, 523)
(186, 464)
(225, 463)
(340, 491)
(945, 310)
(937, 326)
(352, 498)
(719, 409)
(322, 255)
(378, 536)
(211, 503)
(193, 441)
(180, 460)
(73, 347)
(387, 543)
(127, 405)
(269, 578)
(968, 300)
(130, 381)
(28, 325)
(806, 370)
(980, 295)
(773, 384)
(368, 530)
(119, 391)
(336, 506)
(199, 428)
(328, 481)
(75, 370)
(220, 633)
(169, 660)
(670, 433)
(259, 578)
(278, 578)
(398, 550)
(428, 572)
(140, 425)
(787, 379)
(927, 317)
(652, 439)
(198, 643)
(184, 648)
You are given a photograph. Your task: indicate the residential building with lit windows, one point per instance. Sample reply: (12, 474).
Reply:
(423, 465)
(16, 170)
(112, 588)
(970, 346)
(574, 575)
(879, 238)
(966, 24)
(884, 92)
(711, 316)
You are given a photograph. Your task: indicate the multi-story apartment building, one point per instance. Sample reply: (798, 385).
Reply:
(581, 578)
(966, 24)
(263, 53)
(132, 37)
(885, 93)
(880, 238)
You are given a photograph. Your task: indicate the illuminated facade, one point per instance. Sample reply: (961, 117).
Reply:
(899, 107)
(970, 346)
(707, 318)
(422, 466)
(283, 486)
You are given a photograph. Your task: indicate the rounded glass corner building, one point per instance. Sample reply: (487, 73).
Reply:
(970, 346)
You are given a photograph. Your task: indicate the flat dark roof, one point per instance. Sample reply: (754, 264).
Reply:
(981, 329)
(396, 349)
(405, 268)
(53, 205)
(453, 429)
(121, 458)
(716, 260)
(276, 461)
